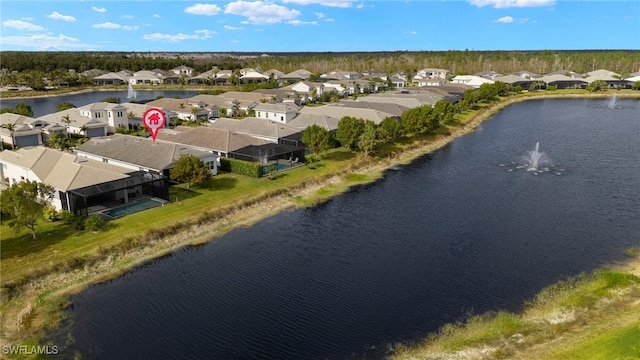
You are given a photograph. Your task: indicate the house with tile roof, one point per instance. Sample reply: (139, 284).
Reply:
(79, 123)
(207, 138)
(26, 131)
(142, 154)
(79, 184)
(563, 81)
(283, 112)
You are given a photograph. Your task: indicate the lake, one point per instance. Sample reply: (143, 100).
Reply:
(462, 230)
(47, 105)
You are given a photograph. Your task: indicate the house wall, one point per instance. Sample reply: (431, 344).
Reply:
(117, 118)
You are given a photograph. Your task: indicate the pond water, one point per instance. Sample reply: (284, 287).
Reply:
(47, 105)
(463, 230)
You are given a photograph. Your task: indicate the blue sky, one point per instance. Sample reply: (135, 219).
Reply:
(318, 25)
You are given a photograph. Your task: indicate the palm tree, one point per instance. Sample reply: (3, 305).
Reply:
(11, 127)
(66, 120)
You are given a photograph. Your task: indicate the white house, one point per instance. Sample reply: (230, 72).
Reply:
(145, 77)
(182, 70)
(277, 112)
(431, 73)
(471, 80)
(66, 173)
(114, 114)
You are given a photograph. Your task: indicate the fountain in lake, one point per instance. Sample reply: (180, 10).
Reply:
(613, 103)
(536, 162)
(131, 94)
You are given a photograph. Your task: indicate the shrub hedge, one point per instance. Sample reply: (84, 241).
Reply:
(241, 167)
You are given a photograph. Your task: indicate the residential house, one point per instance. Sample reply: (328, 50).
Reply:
(434, 81)
(184, 109)
(111, 79)
(253, 77)
(431, 73)
(295, 76)
(277, 112)
(79, 184)
(514, 80)
(274, 73)
(75, 121)
(341, 110)
(272, 131)
(526, 75)
(488, 74)
(563, 81)
(142, 154)
(183, 70)
(398, 80)
(471, 80)
(145, 77)
(206, 138)
(613, 80)
(20, 131)
(303, 121)
(114, 114)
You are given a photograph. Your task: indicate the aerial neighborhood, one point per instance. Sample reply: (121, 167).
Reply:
(113, 166)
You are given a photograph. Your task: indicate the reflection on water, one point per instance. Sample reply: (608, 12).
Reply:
(387, 262)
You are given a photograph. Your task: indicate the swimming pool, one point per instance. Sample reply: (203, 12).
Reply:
(131, 208)
(279, 167)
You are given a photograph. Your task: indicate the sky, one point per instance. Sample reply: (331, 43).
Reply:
(318, 25)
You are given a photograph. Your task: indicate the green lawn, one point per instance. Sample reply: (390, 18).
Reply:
(58, 244)
(616, 344)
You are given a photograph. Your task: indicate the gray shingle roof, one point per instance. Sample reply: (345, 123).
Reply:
(142, 152)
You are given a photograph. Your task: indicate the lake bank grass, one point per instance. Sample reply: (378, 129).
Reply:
(38, 276)
(590, 316)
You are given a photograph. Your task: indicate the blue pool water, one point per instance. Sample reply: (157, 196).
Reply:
(279, 167)
(132, 207)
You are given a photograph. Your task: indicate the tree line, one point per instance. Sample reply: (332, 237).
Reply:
(354, 133)
(458, 62)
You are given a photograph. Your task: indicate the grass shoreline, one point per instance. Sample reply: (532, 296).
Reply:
(38, 303)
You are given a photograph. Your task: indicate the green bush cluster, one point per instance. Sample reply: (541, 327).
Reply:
(241, 167)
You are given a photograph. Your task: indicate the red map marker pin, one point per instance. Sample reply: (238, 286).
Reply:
(154, 120)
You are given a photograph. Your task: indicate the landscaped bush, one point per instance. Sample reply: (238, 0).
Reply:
(94, 223)
(241, 167)
(50, 213)
(75, 221)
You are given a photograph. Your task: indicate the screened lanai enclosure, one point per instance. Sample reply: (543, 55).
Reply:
(278, 157)
(139, 184)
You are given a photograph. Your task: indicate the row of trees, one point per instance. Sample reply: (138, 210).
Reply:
(32, 67)
(366, 135)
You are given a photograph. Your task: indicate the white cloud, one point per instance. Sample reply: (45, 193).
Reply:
(320, 15)
(130, 27)
(329, 3)
(21, 25)
(258, 12)
(501, 4)
(229, 27)
(57, 16)
(156, 16)
(27, 18)
(107, 25)
(505, 20)
(203, 9)
(46, 42)
(100, 10)
(300, 22)
(197, 35)
(412, 32)
(128, 17)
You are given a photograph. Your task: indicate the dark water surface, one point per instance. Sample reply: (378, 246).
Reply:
(47, 105)
(453, 233)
